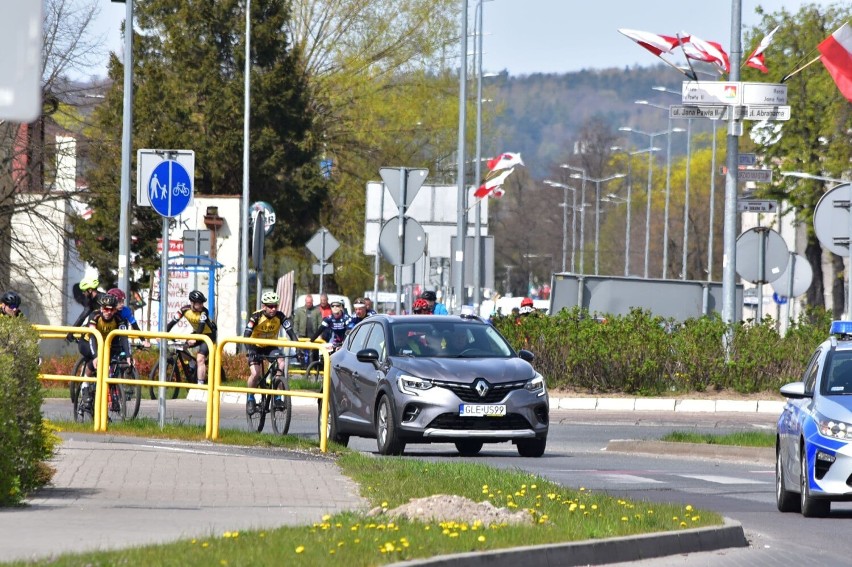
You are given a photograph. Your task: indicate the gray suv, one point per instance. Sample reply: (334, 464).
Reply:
(436, 379)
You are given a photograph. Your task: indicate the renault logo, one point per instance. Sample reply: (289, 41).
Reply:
(481, 387)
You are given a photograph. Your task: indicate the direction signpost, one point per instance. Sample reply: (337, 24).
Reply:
(757, 206)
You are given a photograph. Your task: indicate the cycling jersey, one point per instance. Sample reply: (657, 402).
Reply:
(262, 326)
(199, 321)
(333, 329)
(104, 327)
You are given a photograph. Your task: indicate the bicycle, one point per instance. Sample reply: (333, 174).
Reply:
(180, 367)
(314, 371)
(280, 407)
(119, 368)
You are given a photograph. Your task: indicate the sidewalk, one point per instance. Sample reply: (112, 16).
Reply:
(114, 492)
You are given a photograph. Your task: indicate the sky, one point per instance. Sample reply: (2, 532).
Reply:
(561, 36)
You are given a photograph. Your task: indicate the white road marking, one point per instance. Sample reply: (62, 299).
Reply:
(723, 479)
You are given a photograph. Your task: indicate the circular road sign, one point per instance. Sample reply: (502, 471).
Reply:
(170, 188)
(268, 215)
(414, 242)
(831, 219)
(803, 275)
(775, 255)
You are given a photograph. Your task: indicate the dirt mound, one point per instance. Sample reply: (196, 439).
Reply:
(445, 508)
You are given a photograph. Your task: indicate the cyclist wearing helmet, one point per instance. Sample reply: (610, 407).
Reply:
(526, 306)
(10, 304)
(126, 312)
(91, 295)
(434, 307)
(421, 307)
(333, 328)
(361, 312)
(103, 321)
(265, 324)
(198, 317)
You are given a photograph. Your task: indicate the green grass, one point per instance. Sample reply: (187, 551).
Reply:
(741, 439)
(557, 514)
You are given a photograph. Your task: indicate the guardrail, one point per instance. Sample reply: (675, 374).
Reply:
(60, 332)
(297, 393)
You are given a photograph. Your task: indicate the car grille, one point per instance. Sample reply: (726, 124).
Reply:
(466, 393)
(456, 422)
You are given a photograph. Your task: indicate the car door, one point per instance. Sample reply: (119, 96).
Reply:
(794, 414)
(343, 365)
(369, 374)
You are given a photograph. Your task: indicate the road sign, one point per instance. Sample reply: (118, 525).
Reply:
(169, 188)
(831, 219)
(761, 243)
(803, 275)
(711, 92)
(20, 61)
(713, 112)
(764, 93)
(772, 113)
(757, 206)
(326, 269)
(747, 159)
(196, 243)
(268, 215)
(414, 242)
(756, 175)
(322, 244)
(398, 178)
(147, 160)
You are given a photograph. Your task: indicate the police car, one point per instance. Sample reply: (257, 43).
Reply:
(813, 462)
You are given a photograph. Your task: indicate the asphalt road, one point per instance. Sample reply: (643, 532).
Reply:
(577, 457)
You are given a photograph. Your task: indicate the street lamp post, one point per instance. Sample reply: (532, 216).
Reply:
(629, 199)
(461, 221)
(582, 212)
(597, 183)
(565, 189)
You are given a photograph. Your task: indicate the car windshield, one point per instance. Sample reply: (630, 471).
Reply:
(448, 338)
(839, 375)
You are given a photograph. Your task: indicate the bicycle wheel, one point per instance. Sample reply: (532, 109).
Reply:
(116, 403)
(132, 394)
(74, 387)
(314, 372)
(171, 376)
(257, 419)
(282, 409)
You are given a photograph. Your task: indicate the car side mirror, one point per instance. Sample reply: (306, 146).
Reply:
(524, 354)
(368, 355)
(795, 390)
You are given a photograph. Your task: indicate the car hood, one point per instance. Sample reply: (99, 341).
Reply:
(463, 370)
(836, 407)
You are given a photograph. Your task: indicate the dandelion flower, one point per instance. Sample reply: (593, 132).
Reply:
(683, 524)
(326, 517)
(300, 549)
(688, 508)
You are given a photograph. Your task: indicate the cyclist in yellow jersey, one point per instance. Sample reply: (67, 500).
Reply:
(265, 324)
(103, 321)
(198, 317)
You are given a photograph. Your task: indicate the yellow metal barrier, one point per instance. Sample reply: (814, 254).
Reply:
(213, 370)
(60, 332)
(218, 388)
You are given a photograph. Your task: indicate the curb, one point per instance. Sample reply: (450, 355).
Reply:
(668, 404)
(599, 552)
(765, 455)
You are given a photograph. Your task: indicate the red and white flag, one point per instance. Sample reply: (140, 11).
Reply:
(756, 60)
(655, 43)
(836, 55)
(504, 161)
(707, 51)
(492, 186)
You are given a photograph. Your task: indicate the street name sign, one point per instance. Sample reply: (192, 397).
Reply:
(747, 159)
(713, 112)
(774, 113)
(757, 206)
(711, 92)
(769, 94)
(756, 175)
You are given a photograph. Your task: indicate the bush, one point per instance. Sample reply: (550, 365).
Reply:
(26, 442)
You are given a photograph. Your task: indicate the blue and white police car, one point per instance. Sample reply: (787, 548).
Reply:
(813, 448)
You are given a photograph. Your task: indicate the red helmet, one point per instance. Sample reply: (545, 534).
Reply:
(117, 293)
(421, 306)
(526, 302)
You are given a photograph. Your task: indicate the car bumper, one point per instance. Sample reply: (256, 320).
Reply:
(830, 466)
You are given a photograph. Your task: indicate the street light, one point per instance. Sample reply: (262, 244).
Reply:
(564, 205)
(803, 175)
(597, 183)
(582, 212)
(629, 199)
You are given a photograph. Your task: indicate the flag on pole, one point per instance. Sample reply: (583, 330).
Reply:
(756, 60)
(707, 51)
(492, 184)
(836, 55)
(655, 43)
(504, 161)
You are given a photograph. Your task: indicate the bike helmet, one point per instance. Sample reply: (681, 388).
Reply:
(526, 302)
(421, 306)
(11, 299)
(429, 296)
(196, 296)
(89, 283)
(117, 294)
(108, 300)
(269, 298)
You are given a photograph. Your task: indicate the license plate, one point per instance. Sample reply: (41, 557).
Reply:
(482, 410)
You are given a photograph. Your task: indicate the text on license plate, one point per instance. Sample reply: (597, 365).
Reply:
(482, 410)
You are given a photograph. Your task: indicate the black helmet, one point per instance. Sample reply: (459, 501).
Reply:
(196, 296)
(107, 300)
(12, 299)
(429, 296)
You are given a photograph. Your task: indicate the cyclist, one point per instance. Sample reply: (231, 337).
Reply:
(91, 295)
(421, 307)
(103, 321)
(10, 304)
(361, 313)
(126, 312)
(333, 328)
(198, 317)
(265, 324)
(434, 307)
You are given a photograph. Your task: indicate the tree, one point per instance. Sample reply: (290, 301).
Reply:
(817, 138)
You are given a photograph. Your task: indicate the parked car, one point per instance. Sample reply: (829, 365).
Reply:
(813, 452)
(436, 379)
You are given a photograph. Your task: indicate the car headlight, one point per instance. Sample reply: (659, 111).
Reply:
(412, 385)
(535, 385)
(833, 428)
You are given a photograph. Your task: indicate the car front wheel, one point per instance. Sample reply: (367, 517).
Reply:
(387, 437)
(785, 500)
(811, 507)
(531, 447)
(468, 447)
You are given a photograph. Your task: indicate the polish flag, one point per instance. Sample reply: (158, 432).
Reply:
(756, 60)
(504, 161)
(492, 186)
(707, 51)
(653, 42)
(836, 55)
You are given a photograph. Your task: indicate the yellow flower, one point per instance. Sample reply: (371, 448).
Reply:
(223, 562)
(384, 504)
(624, 518)
(683, 524)
(532, 486)
(480, 539)
(326, 518)
(594, 506)
(205, 544)
(389, 546)
(300, 549)
(454, 534)
(688, 508)
(695, 518)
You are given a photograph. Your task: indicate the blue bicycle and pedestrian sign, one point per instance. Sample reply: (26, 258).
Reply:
(169, 188)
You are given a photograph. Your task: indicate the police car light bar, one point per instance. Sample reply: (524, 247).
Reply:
(841, 328)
